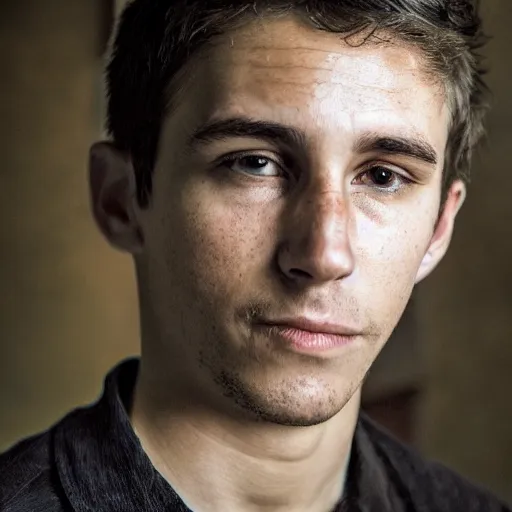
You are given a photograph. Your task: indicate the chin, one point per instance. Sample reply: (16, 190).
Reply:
(298, 402)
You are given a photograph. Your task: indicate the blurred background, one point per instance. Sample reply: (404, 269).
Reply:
(68, 309)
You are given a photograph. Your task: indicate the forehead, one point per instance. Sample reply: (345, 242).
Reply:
(284, 71)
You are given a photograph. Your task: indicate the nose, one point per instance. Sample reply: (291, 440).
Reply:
(316, 245)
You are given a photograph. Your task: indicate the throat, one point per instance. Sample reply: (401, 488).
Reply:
(217, 464)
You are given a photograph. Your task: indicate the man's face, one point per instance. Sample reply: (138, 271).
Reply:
(335, 225)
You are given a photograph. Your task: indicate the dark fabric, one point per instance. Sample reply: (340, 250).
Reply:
(91, 461)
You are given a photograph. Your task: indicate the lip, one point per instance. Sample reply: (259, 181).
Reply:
(307, 335)
(312, 326)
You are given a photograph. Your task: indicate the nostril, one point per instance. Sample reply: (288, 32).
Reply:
(297, 272)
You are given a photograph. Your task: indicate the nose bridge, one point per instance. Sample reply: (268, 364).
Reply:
(318, 241)
(328, 210)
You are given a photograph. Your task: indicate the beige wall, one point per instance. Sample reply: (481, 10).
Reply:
(68, 309)
(466, 306)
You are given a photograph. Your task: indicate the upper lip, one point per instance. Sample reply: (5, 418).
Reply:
(307, 324)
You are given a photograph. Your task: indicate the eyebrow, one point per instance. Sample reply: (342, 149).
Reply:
(417, 148)
(222, 129)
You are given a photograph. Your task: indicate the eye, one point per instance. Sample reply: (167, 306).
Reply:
(253, 164)
(383, 178)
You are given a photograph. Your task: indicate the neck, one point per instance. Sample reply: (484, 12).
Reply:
(219, 463)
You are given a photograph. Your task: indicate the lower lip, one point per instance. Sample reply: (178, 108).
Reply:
(307, 341)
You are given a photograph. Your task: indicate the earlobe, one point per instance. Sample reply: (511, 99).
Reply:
(112, 192)
(443, 232)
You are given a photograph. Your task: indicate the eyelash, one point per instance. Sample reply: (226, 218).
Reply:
(403, 180)
(231, 159)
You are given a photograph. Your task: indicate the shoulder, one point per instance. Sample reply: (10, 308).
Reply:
(26, 477)
(428, 484)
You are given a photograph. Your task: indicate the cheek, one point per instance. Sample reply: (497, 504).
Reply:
(389, 257)
(397, 238)
(221, 245)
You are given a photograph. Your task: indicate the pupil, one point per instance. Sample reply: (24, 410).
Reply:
(381, 176)
(254, 161)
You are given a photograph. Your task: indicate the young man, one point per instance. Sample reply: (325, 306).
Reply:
(283, 173)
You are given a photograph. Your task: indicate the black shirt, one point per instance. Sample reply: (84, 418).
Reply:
(92, 461)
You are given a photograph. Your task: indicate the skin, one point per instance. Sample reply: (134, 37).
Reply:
(234, 418)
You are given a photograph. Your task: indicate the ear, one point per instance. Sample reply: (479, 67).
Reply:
(113, 197)
(443, 231)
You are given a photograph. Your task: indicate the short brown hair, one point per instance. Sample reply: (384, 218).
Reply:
(156, 39)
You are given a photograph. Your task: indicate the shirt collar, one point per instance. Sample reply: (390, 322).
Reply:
(102, 465)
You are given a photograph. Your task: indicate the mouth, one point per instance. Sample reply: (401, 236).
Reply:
(307, 336)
